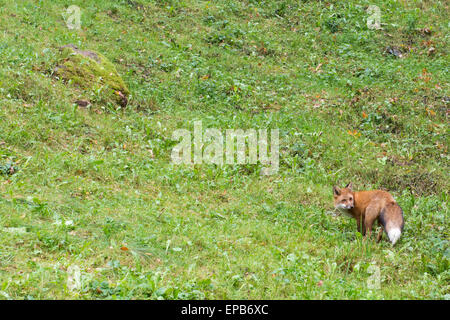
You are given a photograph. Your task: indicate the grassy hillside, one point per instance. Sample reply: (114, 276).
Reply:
(95, 187)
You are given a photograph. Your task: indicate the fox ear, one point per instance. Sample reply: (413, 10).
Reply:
(349, 186)
(336, 191)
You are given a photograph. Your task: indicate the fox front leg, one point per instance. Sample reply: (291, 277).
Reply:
(360, 226)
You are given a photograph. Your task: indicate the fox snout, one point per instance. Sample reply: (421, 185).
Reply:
(344, 206)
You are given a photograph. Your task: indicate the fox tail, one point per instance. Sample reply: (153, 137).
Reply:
(394, 234)
(391, 217)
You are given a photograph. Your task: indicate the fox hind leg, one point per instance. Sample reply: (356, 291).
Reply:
(371, 215)
(380, 234)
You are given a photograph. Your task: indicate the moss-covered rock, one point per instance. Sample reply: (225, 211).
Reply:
(94, 74)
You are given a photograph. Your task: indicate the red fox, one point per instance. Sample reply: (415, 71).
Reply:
(368, 206)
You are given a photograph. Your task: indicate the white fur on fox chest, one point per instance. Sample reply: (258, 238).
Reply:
(345, 212)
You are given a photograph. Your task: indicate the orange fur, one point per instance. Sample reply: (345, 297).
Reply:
(366, 207)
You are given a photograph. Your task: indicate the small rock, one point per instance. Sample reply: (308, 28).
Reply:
(431, 51)
(82, 103)
(91, 72)
(395, 51)
(426, 31)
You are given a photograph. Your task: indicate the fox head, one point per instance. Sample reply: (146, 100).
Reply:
(344, 197)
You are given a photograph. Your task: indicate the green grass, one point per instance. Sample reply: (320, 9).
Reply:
(96, 188)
